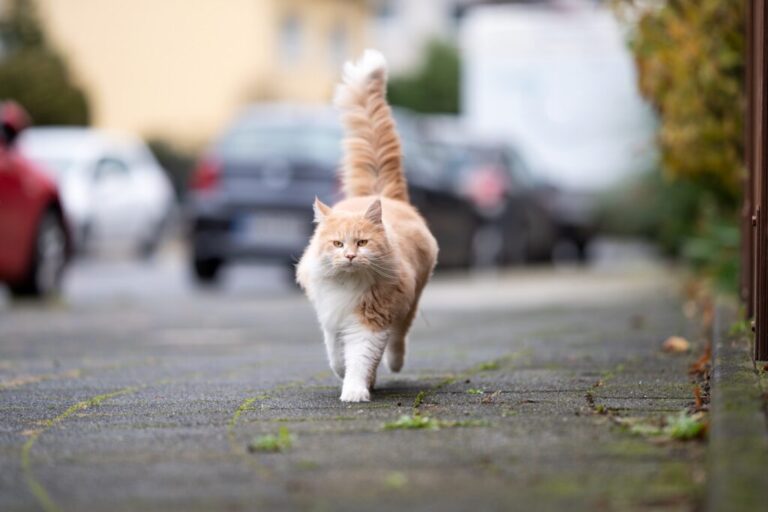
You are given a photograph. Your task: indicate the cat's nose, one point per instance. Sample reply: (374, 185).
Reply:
(350, 256)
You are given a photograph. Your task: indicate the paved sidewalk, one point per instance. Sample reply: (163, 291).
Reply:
(521, 375)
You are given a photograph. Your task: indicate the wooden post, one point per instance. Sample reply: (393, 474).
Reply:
(756, 243)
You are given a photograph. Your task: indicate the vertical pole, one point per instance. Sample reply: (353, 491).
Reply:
(760, 183)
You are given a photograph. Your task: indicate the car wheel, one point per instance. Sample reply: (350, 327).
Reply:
(149, 245)
(48, 260)
(85, 241)
(487, 246)
(207, 271)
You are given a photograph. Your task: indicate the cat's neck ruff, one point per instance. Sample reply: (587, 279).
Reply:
(338, 296)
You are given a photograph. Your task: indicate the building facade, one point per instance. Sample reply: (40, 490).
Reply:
(401, 29)
(180, 69)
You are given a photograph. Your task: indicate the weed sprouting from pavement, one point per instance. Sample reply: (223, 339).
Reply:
(271, 443)
(489, 366)
(475, 391)
(419, 398)
(396, 480)
(417, 421)
(740, 328)
(685, 427)
(681, 426)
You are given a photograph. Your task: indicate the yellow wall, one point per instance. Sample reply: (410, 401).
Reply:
(180, 69)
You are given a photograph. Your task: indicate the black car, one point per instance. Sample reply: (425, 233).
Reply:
(519, 218)
(511, 226)
(251, 195)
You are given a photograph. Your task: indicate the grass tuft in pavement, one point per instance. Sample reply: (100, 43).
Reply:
(271, 443)
(681, 426)
(417, 421)
(413, 422)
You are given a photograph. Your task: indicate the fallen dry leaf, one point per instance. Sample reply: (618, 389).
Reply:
(699, 367)
(697, 395)
(676, 344)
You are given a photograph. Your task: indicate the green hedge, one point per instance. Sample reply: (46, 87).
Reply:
(690, 61)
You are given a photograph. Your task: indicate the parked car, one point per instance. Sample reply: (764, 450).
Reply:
(521, 218)
(113, 188)
(35, 241)
(512, 226)
(573, 213)
(251, 194)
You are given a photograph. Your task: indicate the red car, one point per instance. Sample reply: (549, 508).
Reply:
(35, 244)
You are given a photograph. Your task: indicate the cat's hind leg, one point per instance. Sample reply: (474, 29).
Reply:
(363, 350)
(395, 353)
(335, 352)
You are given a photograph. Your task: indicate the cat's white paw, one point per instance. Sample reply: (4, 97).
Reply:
(355, 394)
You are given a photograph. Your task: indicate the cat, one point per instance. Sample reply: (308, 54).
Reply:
(371, 253)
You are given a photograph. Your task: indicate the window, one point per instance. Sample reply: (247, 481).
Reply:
(338, 44)
(110, 168)
(290, 40)
(385, 10)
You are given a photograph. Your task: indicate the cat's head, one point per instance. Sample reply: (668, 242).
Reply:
(352, 242)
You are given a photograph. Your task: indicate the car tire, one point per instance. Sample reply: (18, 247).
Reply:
(487, 246)
(151, 243)
(83, 239)
(49, 259)
(207, 271)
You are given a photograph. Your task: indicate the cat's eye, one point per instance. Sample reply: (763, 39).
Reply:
(362, 243)
(337, 243)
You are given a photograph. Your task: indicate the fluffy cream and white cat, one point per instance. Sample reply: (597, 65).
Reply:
(371, 253)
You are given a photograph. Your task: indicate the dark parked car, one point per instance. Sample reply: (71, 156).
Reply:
(35, 241)
(512, 226)
(251, 195)
(520, 218)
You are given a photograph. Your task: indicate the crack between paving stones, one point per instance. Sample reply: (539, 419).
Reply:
(75, 373)
(36, 488)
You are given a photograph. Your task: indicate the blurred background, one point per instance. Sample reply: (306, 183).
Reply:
(158, 147)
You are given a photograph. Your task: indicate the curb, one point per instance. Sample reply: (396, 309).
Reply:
(737, 455)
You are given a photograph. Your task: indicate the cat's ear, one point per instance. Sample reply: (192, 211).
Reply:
(373, 213)
(322, 210)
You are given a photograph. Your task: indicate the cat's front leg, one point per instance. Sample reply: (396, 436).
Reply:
(335, 352)
(362, 353)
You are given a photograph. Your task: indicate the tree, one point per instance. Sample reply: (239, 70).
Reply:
(434, 87)
(34, 74)
(690, 61)
(690, 58)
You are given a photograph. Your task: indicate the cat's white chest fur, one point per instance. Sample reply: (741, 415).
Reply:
(336, 300)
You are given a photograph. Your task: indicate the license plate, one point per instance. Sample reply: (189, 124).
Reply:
(274, 229)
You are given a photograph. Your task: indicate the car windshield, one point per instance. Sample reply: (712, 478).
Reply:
(250, 142)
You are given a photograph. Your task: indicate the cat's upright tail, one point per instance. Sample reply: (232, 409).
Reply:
(372, 154)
